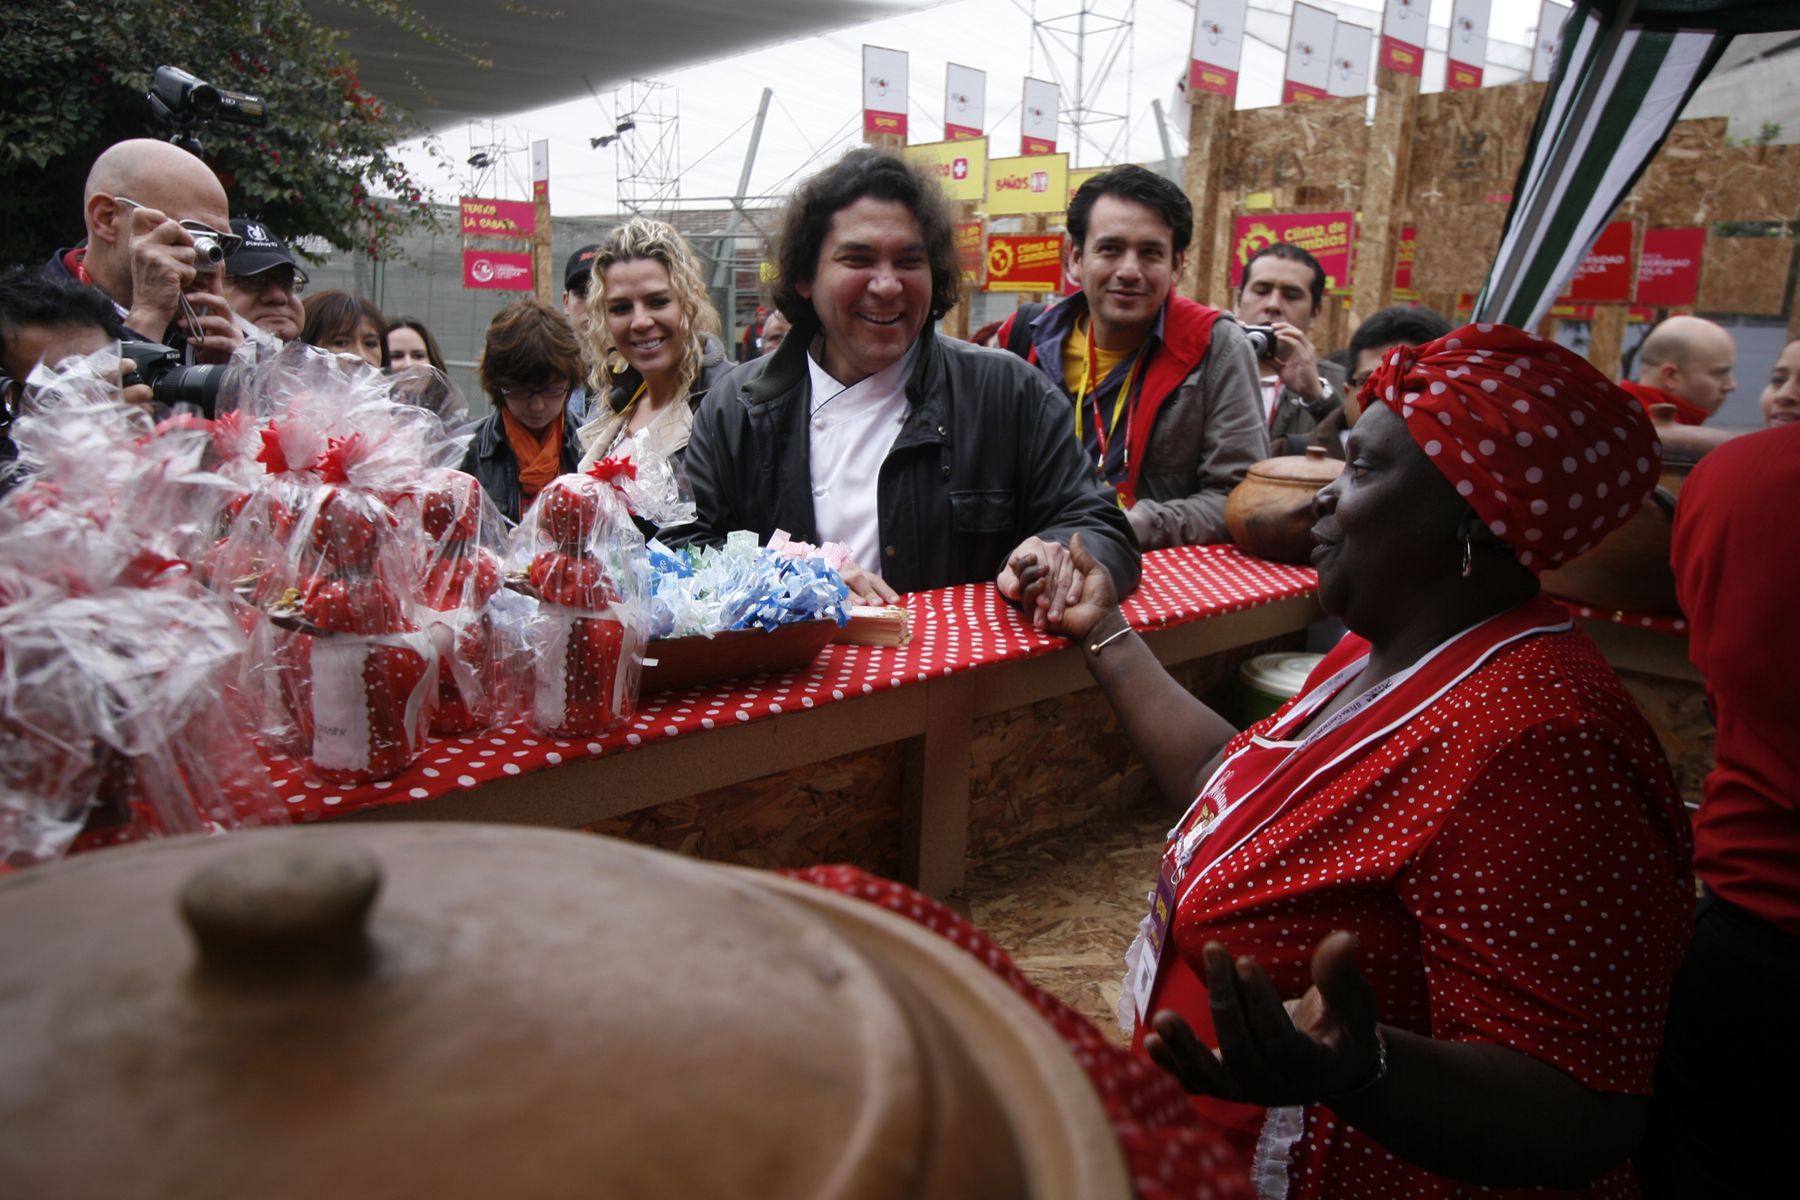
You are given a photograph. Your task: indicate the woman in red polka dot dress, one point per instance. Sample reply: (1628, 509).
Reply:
(1428, 913)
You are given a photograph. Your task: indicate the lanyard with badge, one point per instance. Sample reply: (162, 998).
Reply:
(1217, 823)
(1121, 403)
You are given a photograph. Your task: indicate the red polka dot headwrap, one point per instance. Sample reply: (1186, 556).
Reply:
(1546, 450)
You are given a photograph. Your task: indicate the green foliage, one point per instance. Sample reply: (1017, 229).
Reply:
(75, 73)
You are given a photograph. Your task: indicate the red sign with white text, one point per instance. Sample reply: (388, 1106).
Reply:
(1300, 93)
(1604, 276)
(884, 122)
(1029, 262)
(1326, 236)
(1204, 77)
(968, 247)
(497, 218)
(1402, 58)
(1404, 255)
(1461, 77)
(1668, 273)
(497, 270)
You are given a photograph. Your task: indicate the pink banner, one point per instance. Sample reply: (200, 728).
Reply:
(497, 270)
(884, 122)
(497, 218)
(1033, 145)
(1668, 274)
(1327, 236)
(1399, 56)
(1461, 77)
(960, 133)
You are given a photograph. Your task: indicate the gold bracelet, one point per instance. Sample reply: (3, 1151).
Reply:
(1095, 648)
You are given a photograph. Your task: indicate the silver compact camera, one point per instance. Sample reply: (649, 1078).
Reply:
(208, 248)
(1264, 343)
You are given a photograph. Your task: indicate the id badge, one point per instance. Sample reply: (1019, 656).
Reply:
(1156, 936)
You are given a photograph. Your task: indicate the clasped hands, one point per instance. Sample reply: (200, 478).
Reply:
(1316, 1049)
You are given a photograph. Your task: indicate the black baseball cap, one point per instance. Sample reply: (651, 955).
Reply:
(581, 265)
(260, 251)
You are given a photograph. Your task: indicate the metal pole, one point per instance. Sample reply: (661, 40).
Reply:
(725, 256)
(1162, 131)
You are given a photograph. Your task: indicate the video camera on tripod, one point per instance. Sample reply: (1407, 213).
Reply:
(187, 105)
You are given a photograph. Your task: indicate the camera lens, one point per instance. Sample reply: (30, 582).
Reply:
(198, 386)
(209, 249)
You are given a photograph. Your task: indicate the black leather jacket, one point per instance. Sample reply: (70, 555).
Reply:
(491, 461)
(984, 460)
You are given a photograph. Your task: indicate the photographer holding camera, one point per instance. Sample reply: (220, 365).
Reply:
(1279, 297)
(158, 232)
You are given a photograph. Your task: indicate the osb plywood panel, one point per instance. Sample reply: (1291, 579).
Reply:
(1320, 145)
(1696, 179)
(1455, 245)
(1745, 275)
(1469, 144)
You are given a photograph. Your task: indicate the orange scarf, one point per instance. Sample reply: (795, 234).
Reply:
(540, 461)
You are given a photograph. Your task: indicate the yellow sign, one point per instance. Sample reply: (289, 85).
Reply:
(1077, 178)
(960, 168)
(1037, 183)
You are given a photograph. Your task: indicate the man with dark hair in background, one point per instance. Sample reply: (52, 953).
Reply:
(145, 205)
(1283, 287)
(1397, 326)
(1163, 388)
(935, 462)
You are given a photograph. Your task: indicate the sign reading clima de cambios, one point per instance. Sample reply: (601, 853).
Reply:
(1404, 24)
(965, 102)
(1326, 236)
(497, 218)
(1468, 44)
(1031, 262)
(497, 270)
(884, 91)
(1027, 185)
(1037, 118)
(1309, 54)
(1218, 46)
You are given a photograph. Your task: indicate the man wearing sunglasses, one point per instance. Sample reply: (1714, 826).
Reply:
(263, 281)
(145, 205)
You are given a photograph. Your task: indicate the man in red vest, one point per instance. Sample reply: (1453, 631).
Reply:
(1685, 362)
(1163, 390)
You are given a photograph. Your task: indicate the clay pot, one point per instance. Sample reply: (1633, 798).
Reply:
(1270, 513)
(1628, 570)
(460, 1011)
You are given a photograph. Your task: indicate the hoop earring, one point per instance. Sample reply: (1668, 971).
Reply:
(1468, 558)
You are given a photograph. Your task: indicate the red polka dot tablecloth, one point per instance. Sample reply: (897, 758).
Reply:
(1658, 622)
(954, 629)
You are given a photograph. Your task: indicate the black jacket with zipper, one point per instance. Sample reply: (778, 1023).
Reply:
(984, 460)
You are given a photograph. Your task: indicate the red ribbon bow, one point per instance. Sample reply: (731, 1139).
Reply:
(611, 470)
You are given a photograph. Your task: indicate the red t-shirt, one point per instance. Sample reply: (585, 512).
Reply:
(1512, 856)
(1737, 573)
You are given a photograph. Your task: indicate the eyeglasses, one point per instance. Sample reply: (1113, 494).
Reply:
(228, 242)
(550, 391)
(288, 280)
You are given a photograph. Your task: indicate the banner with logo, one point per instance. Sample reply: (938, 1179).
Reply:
(965, 102)
(496, 218)
(959, 167)
(1404, 25)
(497, 270)
(540, 169)
(1037, 118)
(1081, 176)
(884, 91)
(1404, 256)
(1352, 49)
(1024, 262)
(1310, 34)
(969, 247)
(1468, 44)
(1218, 47)
(1549, 40)
(1668, 274)
(1027, 185)
(1327, 236)
(1605, 275)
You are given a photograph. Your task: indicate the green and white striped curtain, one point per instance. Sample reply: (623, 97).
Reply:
(1626, 70)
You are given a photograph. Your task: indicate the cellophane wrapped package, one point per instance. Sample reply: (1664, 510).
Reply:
(116, 663)
(579, 553)
(707, 590)
(478, 628)
(346, 673)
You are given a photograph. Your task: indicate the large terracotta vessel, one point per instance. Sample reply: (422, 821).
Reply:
(1628, 571)
(449, 1012)
(1270, 513)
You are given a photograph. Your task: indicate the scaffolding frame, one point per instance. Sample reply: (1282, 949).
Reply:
(1080, 50)
(648, 166)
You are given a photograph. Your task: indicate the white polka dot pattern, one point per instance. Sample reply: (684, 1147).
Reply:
(954, 629)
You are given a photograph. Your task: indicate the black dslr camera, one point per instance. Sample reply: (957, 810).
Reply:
(171, 382)
(187, 105)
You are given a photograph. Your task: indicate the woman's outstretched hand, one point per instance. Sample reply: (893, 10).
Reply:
(1272, 1052)
(1058, 591)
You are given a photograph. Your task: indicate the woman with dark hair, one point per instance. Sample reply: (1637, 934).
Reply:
(410, 344)
(530, 364)
(1428, 913)
(654, 334)
(346, 324)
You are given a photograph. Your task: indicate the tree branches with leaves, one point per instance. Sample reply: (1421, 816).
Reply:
(75, 73)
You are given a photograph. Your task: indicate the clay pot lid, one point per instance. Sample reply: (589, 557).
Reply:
(447, 1011)
(1313, 469)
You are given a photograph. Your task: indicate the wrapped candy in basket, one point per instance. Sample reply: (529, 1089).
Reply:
(582, 557)
(117, 720)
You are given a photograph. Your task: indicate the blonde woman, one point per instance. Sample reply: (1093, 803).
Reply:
(654, 334)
